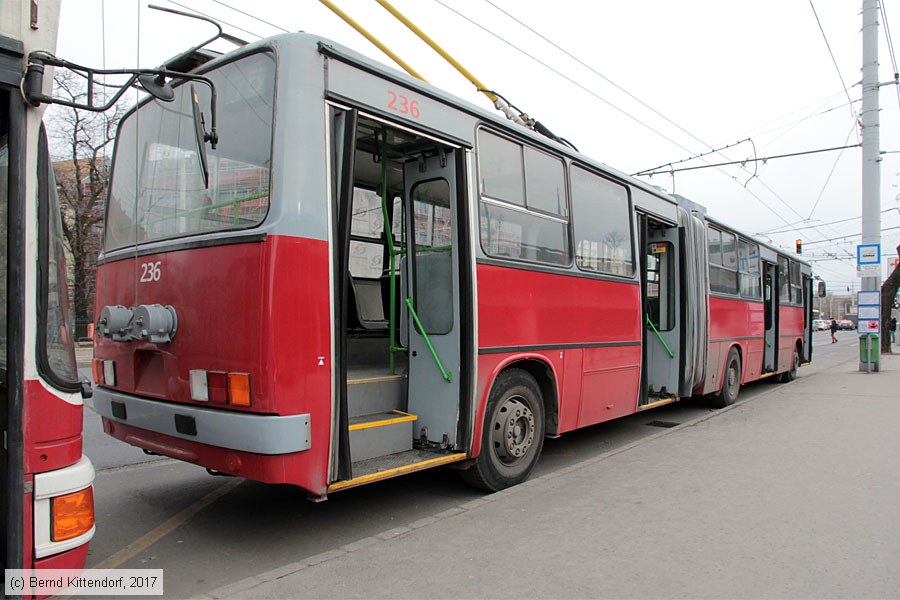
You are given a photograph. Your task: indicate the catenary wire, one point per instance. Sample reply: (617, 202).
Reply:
(834, 61)
(190, 8)
(830, 173)
(254, 17)
(890, 43)
(594, 94)
(753, 175)
(886, 210)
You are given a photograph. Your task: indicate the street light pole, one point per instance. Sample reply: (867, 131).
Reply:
(871, 154)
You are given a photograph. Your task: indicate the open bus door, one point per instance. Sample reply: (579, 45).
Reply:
(660, 282)
(807, 315)
(432, 297)
(770, 308)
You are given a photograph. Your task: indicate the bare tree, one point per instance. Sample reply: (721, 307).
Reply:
(888, 293)
(81, 142)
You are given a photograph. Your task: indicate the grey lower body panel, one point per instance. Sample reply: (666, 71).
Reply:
(260, 434)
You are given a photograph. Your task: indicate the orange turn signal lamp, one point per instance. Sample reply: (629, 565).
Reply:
(104, 371)
(220, 387)
(72, 515)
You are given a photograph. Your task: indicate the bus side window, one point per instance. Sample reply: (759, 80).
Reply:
(661, 285)
(56, 346)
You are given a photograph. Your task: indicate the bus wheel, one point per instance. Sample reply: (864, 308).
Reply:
(732, 383)
(791, 375)
(513, 433)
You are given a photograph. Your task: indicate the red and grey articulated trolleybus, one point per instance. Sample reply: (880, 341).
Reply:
(367, 277)
(46, 504)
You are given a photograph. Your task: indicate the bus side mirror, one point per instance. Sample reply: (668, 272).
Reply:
(821, 291)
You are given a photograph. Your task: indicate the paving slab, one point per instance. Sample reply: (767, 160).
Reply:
(793, 494)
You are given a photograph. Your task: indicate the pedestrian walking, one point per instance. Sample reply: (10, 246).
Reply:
(892, 327)
(834, 328)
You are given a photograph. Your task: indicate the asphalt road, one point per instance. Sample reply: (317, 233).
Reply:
(207, 532)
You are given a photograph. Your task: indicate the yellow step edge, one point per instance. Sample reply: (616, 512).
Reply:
(389, 473)
(772, 374)
(405, 417)
(658, 403)
(377, 379)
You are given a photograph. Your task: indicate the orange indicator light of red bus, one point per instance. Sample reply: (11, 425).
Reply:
(72, 514)
(97, 369)
(239, 388)
(217, 385)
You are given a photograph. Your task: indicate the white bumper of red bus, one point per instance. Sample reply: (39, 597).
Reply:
(54, 484)
(259, 434)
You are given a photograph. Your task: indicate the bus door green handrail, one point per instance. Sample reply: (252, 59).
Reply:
(446, 375)
(392, 252)
(656, 331)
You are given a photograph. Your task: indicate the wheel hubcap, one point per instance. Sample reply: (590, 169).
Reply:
(513, 430)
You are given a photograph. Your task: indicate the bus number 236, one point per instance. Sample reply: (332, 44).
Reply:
(404, 105)
(150, 271)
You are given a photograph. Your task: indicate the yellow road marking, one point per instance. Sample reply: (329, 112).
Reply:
(150, 538)
(385, 422)
(342, 485)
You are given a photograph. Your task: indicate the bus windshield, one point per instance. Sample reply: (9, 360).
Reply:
(157, 190)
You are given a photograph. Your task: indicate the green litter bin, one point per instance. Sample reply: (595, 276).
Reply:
(874, 348)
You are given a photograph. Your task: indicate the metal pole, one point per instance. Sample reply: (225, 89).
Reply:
(868, 352)
(375, 41)
(871, 149)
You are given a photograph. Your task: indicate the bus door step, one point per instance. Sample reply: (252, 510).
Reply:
(380, 434)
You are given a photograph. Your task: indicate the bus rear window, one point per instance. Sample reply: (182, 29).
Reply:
(157, 189)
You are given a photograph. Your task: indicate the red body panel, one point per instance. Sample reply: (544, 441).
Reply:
(261, 308)
(52, 430)
(524, 311)
(735, 322)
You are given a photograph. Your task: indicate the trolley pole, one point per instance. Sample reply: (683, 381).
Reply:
(871, 164)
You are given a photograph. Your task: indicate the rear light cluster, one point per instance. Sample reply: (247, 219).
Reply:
(220, 387)
(104, 371)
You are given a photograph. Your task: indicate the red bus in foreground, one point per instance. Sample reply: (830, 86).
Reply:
(46, 493)
(368, 277)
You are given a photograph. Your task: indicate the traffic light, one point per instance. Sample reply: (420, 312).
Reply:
(799, 246)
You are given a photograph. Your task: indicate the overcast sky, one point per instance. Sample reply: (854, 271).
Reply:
(632, 84)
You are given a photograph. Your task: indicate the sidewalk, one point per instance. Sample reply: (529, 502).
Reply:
(795, 493)
(83, 355)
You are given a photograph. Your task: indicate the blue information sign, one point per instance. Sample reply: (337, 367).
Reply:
(868, 254)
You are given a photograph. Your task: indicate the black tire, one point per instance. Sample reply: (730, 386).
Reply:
(790, 375)
(731, 382)
(513, 433)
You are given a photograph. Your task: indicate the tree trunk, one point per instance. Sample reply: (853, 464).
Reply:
(888, 293)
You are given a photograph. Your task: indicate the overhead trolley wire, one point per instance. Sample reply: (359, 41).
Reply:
(746, 160)
(583, 63)
(849, 235)
(597, 73)
(890, 43)
(820, 224)
(605, 101)
(254, 17)
(563, 75)
(830, 173)
(834, 62)
(192, 9)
